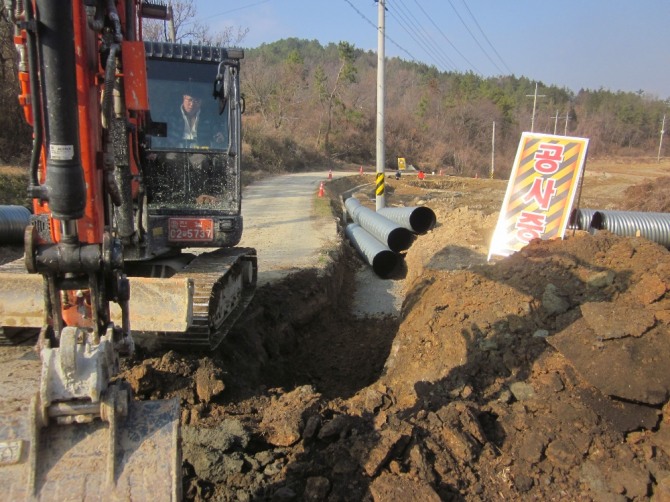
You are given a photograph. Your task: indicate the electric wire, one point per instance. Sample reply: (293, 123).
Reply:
(209, 16)
(486, 38)
(374, 25)
(417, 32)
(408, 22)
(446, 38)
(473, 37)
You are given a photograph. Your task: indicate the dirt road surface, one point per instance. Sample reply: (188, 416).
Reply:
(281, 223)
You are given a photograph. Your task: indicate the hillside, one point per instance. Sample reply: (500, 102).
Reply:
(307, 103)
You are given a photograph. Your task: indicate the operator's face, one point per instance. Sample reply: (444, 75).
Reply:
(191, 105)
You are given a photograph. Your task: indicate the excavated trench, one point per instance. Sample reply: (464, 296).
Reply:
(300, 330)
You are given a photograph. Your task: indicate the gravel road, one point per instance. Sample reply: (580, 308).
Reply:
(280, 222)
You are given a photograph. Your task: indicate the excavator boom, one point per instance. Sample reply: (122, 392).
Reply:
(135, 183)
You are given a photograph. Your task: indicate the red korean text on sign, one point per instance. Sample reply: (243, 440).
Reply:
(530, 226)
(548, 158)
(541, 192)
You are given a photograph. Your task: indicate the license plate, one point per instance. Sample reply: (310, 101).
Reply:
(190, 229)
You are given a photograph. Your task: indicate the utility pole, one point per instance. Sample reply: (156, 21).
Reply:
(534, 96)
(660, 143)
(380, 200)
(567, 117)
(493, 150)
(555, 117)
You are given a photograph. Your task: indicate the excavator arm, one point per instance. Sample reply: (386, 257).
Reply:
(67, 431)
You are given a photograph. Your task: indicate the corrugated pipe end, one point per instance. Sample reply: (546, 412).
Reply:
(422, 219)
(13, 222)
(399, 239)
(580, 219)
(384, 263)
(598, 221)
(573, 222)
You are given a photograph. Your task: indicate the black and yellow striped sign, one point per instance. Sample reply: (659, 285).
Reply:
(540, 192)
(380, 184)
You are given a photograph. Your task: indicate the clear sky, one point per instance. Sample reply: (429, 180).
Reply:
(614, 44)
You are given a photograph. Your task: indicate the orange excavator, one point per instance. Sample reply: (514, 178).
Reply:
(137, 211)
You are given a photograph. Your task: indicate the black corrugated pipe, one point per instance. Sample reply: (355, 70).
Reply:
(13, 223)
(379, 257)
(419, 219)
(395, 237)
(652, 226)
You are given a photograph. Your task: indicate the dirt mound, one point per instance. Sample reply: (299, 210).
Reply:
(652, 196)
(555, 357)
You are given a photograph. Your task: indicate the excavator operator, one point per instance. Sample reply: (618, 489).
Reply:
(190, 128)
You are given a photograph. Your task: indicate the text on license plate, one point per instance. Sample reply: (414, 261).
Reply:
(190, 229)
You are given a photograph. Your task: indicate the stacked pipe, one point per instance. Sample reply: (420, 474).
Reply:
(379, 236)
(652, 226)
(13, 223)
(419, 219)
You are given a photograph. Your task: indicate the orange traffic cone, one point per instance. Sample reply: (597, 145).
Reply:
(330, 174)
(360, 171)
(321, 191)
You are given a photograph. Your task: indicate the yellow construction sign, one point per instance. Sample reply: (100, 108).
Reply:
(541, 190)
(401, 163)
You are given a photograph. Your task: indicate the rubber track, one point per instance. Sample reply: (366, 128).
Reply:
(206, 271)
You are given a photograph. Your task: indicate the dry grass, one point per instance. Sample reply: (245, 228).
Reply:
(13, 186)
(14, 170)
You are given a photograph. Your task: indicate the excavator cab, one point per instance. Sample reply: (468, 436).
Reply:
(190, 167)
(192, 152)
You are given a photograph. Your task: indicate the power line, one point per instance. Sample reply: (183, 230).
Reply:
(474, 38)
(445, 37)
(414, 31)
(487, 38)
(374, 25)
(209, 16)
(426, 41)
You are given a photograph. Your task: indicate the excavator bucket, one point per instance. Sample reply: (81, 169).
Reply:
(135, 457)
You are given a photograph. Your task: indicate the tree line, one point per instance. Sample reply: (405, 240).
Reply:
(313, 100)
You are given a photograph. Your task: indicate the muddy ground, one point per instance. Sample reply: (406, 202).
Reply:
(543, 376)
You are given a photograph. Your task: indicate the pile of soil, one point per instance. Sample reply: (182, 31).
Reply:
(541, 376)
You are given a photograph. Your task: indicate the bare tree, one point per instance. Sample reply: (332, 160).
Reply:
(15, 133)
(330, 95)
(189, 29)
